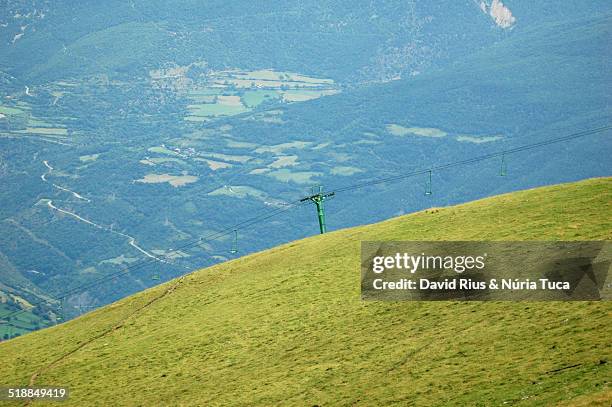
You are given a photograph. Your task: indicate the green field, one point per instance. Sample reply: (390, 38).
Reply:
(398, 130)
(287, 326)
(229, 93)
(215, 109)
(20, 324)
(253, 98)
(10, 110)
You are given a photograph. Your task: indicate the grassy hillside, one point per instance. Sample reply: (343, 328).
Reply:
(287, 326)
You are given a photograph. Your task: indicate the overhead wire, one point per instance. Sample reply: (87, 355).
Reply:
(473, 159)
(252, 221)
(213, 236)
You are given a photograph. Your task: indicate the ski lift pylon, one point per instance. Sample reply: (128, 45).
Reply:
(234, 248)
(428, 185)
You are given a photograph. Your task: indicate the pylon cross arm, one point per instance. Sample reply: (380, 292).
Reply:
(318, 199)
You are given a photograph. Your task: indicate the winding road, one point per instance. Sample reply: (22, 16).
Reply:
(131, 239)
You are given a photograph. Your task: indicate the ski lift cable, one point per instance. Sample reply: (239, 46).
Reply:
(475, 159)
(213, 236)
(250, 222)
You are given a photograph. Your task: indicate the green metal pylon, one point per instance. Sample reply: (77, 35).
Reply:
(428, 185)
(318, 197)
(234, 248)
(58, 316)
(503, 167)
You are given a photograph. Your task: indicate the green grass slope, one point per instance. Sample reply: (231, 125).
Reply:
(287, 326)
